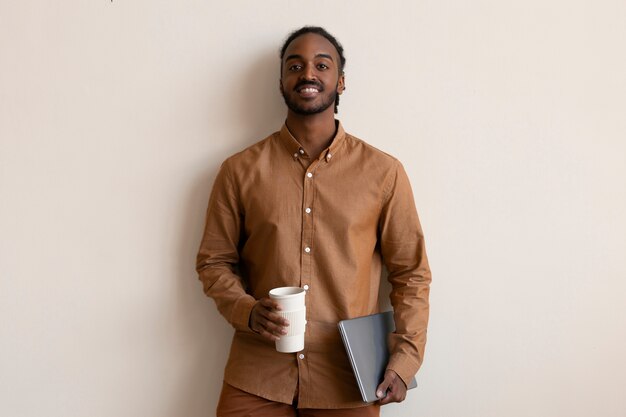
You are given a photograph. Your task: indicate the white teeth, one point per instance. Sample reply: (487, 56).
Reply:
(309, 90)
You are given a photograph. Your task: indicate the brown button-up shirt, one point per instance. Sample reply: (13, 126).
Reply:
(276, 218)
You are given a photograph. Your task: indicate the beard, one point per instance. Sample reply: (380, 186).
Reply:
(326, 102)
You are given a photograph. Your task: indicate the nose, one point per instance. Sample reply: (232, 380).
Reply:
(309, 73)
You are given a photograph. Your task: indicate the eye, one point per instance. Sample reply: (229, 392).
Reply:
(322, 66)
(295, 67)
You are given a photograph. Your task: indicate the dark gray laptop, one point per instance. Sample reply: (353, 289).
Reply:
(365, 339)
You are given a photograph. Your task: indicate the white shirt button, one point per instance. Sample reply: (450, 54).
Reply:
(302, 151)
(307, 249)
(329, 156)
(308, 210)
(306, 287)
(308, 174)
(301, 356)
(295, 155)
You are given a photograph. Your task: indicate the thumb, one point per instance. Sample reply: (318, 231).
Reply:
(384, 386)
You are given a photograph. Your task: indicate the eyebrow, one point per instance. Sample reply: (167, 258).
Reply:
(316, 56)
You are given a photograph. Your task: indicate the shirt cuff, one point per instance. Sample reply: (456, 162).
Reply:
(241, 313)
(404, 366)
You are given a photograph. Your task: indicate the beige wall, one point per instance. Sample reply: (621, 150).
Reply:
(508, 115)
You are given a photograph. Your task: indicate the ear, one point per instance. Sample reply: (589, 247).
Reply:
(341, 83)
(280, 86)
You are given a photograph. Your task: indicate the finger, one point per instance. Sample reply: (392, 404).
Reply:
(393, 394)
(381, 391)
(396, 392)
(385, 400)
(268, 329)
(391, 397)
(401, 390)
(398, 387)
(276, 319)
(274, 328)
(270, 315)
(273, 317)
(268, 335)
(258, 322)
(270, 304)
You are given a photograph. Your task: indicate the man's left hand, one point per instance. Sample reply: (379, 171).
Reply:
(393, 387)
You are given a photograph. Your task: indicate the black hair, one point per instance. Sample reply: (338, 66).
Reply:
(322, 32)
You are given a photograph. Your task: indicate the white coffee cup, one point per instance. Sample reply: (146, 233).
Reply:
(293, 308)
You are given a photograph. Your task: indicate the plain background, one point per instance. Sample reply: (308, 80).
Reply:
(509, 116)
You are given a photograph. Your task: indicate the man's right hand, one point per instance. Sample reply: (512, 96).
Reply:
(264, 321)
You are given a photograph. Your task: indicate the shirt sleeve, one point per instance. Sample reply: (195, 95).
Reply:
(404, 255)
(218, 255)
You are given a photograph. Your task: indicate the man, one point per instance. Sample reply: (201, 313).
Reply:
(314, 207)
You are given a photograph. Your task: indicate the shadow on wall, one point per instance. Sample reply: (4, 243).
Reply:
(252, 108)
(246, 108)
(257, 103)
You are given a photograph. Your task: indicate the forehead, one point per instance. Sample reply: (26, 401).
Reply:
(309, 45)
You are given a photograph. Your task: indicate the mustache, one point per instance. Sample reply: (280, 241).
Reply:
(304, 84)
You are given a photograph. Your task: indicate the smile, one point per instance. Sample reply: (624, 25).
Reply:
(308, 92)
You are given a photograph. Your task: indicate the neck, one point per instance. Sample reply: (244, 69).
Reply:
(314, 132)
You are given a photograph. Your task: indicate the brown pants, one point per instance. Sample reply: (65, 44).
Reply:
(236, 403)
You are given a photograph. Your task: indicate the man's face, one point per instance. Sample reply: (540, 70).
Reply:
(310, 79)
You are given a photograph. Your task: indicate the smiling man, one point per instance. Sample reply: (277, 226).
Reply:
(314, 207)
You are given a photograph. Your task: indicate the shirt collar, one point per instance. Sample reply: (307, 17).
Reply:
(297, 151)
